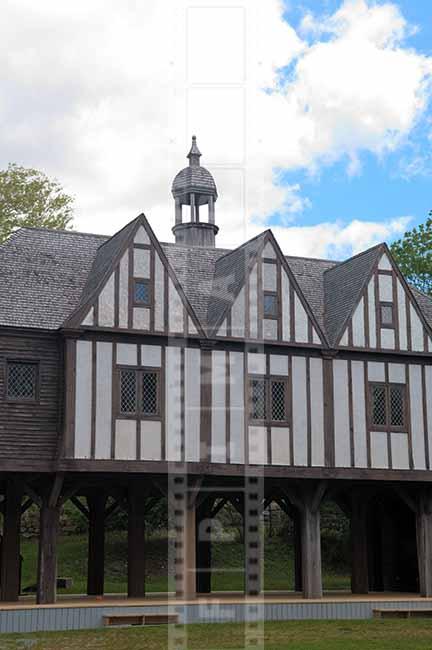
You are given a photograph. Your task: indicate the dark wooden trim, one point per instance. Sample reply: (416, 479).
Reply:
(69, 401)
(377, 314)
(367, 412)
(308, 413)
(117, 296)
(279, 299)
(130, 285)
(163, 402)
(227, 406)
(425, 418)
(351, 414)
(114, 399)
(260, 299)
(292, 311)
(366, 315)
(290, 397)
(329, 434)
(408, 318)
(408, 414)
(182, 405)
(93, 399)
(396, 312)
(206, 405)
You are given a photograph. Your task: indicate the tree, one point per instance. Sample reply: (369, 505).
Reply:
(413, 253)
(29, 198)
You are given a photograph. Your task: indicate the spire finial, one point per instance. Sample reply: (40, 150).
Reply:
(194, 153)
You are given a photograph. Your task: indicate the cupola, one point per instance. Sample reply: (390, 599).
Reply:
(194, 186)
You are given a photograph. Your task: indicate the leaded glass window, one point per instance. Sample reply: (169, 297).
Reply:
(142, 292)
(387, 316)
(21, 380)
(379, 406)
(278, 400)
(388, 405)
(268, 399)
(128, 391)
(149, 393)
(397, 406)
(270, 305)
(258, 399)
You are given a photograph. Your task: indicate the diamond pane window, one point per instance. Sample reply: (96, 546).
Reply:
(397, 409)
(379, 406)
(270, 305)
(278, 401)
(142, 292)
(21, 380)
(387, 315)
(149, 393)
(128, 391)
(258, 399)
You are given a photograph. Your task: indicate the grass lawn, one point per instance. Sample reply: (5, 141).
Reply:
(227, 564)
(298, 635)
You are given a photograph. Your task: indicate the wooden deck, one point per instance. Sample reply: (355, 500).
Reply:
(224, 598)
(83, 612)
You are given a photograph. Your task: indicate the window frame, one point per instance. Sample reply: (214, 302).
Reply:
(22, 400)
(140, 303)
(388, 427)
(389, 326)
(273, 294)
(138, 414)
(268, 380)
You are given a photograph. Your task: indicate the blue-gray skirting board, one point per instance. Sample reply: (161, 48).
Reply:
(32, 619)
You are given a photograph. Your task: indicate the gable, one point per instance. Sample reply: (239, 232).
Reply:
(387, 316)
(139, 292)
(269, 279)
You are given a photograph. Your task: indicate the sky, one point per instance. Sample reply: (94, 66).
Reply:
(314, 117)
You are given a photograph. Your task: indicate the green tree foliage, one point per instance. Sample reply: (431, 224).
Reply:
(413, 253)
(29, 198)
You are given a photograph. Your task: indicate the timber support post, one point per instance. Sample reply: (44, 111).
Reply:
(10, 549)
(308, 502)
(96, 544)
(48, 536)
(298, 573)
(359, 543)
(136, 541)
(424, 541)
(203, 546)
(182, 497)
(253, 504)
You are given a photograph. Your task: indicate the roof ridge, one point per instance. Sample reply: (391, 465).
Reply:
(62, 231)
(313, 259)
(246, 243)
(354, 257)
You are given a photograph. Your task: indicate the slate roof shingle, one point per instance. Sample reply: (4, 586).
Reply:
(46, 274)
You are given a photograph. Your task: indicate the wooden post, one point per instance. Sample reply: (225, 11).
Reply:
(10, 549)
(203, 547)
(47, 565)
(307, 500)
(298, 577)
(424, 542)
(359, 545)
(178, 211)
(211, 209)
(388, 550)
(136, 542)
(253, 535)
(96, 544)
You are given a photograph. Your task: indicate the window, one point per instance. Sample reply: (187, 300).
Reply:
(270, 305)
(142, 292)
(268, 399)
(388, 406)
(387, 314)
(21, 380)
(143, 383)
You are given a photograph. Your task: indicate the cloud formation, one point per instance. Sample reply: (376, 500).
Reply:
(104, 95)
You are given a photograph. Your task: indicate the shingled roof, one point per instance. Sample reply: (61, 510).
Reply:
(46, 274)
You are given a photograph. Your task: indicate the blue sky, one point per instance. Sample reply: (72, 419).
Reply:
(398, 183)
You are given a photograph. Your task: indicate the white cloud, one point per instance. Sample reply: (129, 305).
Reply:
(97, 94)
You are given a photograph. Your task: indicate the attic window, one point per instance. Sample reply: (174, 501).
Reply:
(387, 314)
(270, 305)
(142, 292)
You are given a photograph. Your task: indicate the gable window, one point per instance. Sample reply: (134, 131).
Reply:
(388, 406)
(270, 303)
(21, 381)
(268, 399)
(139, 393)
(142, 292)
(387, 314)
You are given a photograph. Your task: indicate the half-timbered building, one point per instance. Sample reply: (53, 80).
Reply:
(132, 368)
